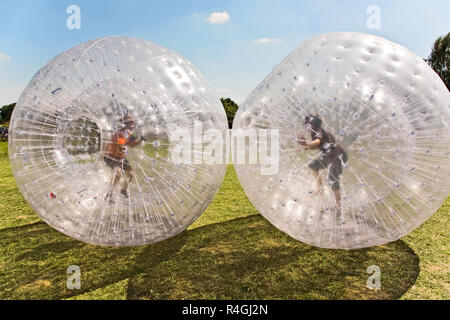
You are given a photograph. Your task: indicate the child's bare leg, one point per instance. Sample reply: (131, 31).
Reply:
(115, 180)
(130, 176)
(337, 196)
(318, 182)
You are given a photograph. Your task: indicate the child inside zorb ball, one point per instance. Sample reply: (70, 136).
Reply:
(331, 154)
(73, 145)
(385, 106)
(115, 156)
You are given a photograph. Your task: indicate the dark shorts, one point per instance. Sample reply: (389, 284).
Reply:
(117, 163)
(335, 170)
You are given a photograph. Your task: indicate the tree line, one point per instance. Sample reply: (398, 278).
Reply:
(5, 113)
(439, 58)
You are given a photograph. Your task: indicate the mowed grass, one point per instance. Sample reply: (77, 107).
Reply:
(230, 252)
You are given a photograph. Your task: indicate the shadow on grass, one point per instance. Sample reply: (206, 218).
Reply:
(245, 258)
(34, 260)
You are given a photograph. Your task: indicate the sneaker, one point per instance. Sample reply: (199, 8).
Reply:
(338, 214)
(108, 198)
(124, 193)
(318, 193)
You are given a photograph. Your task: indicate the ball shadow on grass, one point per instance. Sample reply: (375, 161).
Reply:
(34, 259)
(244, 258)
(247, 258)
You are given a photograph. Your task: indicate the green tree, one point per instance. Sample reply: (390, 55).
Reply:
(230, 109)
(6, 111)
(439, 58)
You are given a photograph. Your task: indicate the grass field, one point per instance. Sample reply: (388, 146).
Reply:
(230, 252)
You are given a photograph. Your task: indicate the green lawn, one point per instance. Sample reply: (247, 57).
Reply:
(231, 252)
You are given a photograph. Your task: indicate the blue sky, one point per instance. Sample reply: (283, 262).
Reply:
(231, 54)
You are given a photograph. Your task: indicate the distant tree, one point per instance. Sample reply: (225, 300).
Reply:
(230, 109)
(439, 58)
(6, 111)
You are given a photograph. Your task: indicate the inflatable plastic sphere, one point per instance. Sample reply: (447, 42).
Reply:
(90, 144)
(364, 142)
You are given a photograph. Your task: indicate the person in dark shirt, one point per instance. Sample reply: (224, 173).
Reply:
(115, 155)
(332, 154)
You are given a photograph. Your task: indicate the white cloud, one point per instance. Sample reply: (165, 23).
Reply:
(268, 40)
(218, 17)
(4, 56)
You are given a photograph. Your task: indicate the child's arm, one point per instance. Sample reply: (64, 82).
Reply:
(133, 142)
(309, 145)
(313, 144)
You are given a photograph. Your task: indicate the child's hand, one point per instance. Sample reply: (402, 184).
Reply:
(301, 139)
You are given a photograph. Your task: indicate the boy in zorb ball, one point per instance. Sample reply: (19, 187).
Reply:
(115, 156)
(331, 154)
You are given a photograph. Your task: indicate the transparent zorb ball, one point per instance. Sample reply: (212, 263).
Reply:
(91, 173)
(389, 113)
